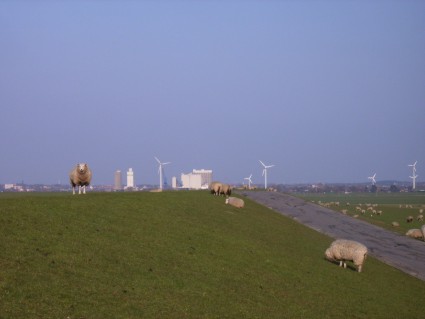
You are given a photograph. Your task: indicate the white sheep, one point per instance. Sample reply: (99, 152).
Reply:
(414, 233)
(395, 224)
(420, 218)
(342, 250)
(226, 190)
(234, 201)
(215, 188)
(409, 219)
(80, 176)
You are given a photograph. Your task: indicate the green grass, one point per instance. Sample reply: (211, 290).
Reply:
(180, 255)
(388, 203)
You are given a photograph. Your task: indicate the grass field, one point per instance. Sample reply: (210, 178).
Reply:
(180, 255)
(392, 205)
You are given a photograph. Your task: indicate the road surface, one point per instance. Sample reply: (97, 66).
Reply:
(401, 252)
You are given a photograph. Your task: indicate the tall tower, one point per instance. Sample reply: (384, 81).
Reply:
(130, 178)
(117, 180)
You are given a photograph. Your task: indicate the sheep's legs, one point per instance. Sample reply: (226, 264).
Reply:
(84, 189)
(73, 190)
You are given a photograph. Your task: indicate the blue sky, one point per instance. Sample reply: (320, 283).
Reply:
(327, 91)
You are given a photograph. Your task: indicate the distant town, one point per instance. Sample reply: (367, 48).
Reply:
(388, 187)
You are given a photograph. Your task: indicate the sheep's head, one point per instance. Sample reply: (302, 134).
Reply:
(82, 167)
(328, 254)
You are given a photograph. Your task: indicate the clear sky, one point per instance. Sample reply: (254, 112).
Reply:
(327, 91)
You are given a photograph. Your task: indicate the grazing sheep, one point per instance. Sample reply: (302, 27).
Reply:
(420, 218)
(80, 176)
(414, 233)
(226, 190)
(234, 201)
(409, 219)
(343, 249)
(215, 188)
(395, 224)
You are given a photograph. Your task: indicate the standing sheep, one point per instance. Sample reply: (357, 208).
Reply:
(80, 176)
(342, 250)
(409, 219)
(226, 190)
(215, 188)
(234, 201)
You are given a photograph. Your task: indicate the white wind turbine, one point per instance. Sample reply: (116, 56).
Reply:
(160, 171)
(265, 173)
(372, 178)
(413, 177)
(249, 181)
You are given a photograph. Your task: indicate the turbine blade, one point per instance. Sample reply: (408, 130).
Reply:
(262, 163)
(157, 160)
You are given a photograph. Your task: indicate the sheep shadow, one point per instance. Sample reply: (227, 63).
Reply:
(350, 266)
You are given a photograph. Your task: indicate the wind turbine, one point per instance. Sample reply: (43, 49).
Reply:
(265, 173)
(372, 178)
(249, 181)
(160, 171)
(413, 177)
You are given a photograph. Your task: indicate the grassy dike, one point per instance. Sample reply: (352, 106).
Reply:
(180, 255)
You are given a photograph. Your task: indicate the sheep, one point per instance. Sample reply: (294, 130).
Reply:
(343, 249)
(215, 188)
(423, 231)
(414, 233)
(420, 218)
(409, 219)
(234, 201)
(395, 224)
(80, 176)
(226, 190)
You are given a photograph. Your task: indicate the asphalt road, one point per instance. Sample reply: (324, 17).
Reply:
(399, 251)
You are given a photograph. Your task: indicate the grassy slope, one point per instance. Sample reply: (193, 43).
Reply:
(388, 203)
(179, 255)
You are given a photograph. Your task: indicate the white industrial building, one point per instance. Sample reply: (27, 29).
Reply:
(198, 179)
(130, 178)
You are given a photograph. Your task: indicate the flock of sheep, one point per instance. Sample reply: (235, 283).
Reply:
(218, 188)
(341, 250)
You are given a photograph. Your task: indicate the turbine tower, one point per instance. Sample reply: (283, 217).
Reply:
(413, 177)
(372, 178)
(160, 171)
(249, 181)
(265, 173)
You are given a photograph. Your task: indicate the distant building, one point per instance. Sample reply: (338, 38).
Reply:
(191, 181)
(130, 178)
(206, 176)
(198, 179)
(117, 180)
(174, 182)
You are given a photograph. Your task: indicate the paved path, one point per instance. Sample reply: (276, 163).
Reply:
(399, 251)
